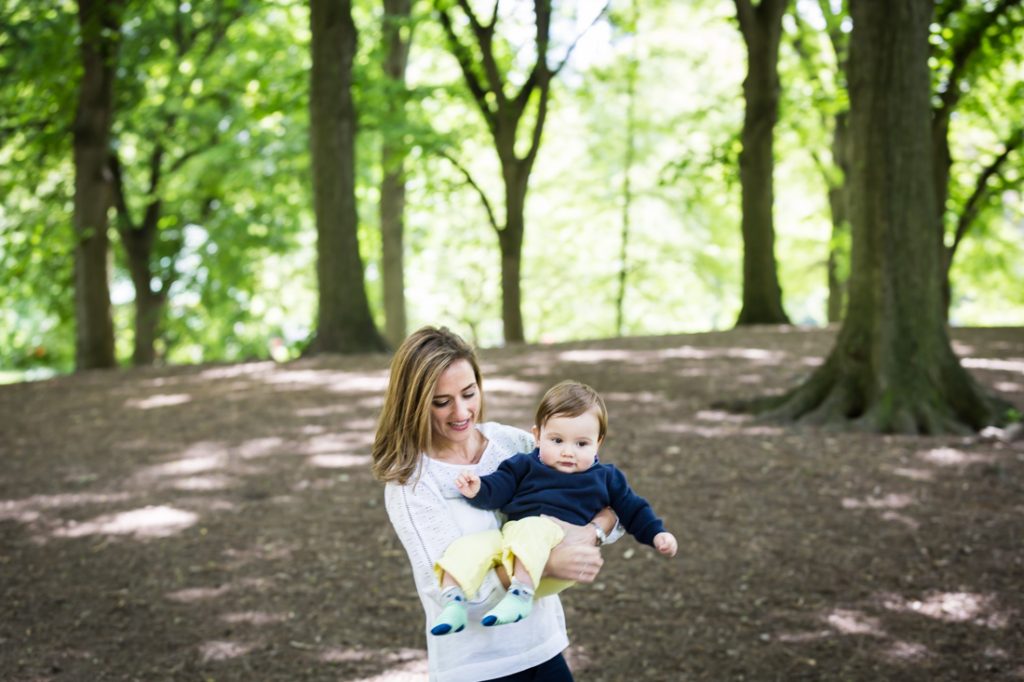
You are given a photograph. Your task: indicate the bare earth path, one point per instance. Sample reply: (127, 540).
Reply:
(219, 523)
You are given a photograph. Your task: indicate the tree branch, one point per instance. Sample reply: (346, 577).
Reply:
(479, 190)
(465, 61)
(964, 50)
(981, 189)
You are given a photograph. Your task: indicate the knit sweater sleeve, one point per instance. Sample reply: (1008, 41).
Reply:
(634, 512)
(498, 489)
(424, 526)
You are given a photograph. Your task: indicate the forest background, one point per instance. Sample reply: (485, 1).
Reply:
(632, 219)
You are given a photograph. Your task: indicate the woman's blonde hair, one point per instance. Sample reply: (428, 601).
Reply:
(404, 429)
(571, 399)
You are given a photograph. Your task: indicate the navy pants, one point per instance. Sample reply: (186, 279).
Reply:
(554, 670)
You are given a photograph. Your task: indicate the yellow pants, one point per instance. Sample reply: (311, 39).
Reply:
(530, 540)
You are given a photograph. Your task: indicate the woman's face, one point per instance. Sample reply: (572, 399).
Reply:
(456, 404)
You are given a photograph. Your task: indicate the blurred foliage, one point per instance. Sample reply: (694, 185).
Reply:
(236, 235)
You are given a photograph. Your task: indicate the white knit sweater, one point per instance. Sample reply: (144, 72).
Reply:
(428, 513)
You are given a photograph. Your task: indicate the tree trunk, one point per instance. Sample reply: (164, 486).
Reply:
(138, 245)
(392, 186)
(510, 240)
(344, 323)
(100, 24)
(762, 30)
(838, 201)
(892, 368)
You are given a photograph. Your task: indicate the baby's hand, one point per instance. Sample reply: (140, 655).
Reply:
(468, 484)
(666, 544)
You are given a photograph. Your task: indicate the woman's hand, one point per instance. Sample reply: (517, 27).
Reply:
(575, 557)
(666, 544)
(468, 484)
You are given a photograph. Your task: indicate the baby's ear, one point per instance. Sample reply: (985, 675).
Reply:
(536, 435)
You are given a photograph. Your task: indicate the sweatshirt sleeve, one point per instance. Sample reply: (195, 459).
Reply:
(498, 489)
(634, 512)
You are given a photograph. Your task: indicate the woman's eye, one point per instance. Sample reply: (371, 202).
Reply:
(441, 403)
(469, 395)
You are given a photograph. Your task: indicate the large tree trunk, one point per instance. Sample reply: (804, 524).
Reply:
(892, 368)
(397, 38)
(344, 322)
(100, 24)
(762, 29)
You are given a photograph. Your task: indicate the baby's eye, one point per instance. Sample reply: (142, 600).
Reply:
(556, 440)
(582, 444)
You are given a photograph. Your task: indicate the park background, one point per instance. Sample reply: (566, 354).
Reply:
(186, 186)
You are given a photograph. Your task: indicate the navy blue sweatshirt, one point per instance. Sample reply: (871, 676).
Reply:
(524, 486)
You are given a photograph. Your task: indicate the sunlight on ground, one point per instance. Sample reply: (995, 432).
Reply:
(338, 382)
(513, 387)
(148, 522)
(411, 663)
(204, 483)
(952, 457)
(255, 618)
(640, 397)
(30, 509)
(190, 595)
(906, 652)
(850, 622)
(159, 401)
(232, 371)
(890, 501)
(325, 411)
(914, 474)
(952, 607)
(224, 651)
(1003, 365)
(340, 461)
(720, 431)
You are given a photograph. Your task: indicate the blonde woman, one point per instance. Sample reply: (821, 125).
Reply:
(430, 432)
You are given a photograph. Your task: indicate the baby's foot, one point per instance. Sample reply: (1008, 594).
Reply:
(516, 605)
(453, 615)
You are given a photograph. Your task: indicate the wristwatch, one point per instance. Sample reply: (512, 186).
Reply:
(602, 537)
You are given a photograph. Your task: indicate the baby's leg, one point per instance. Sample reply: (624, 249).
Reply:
(469, 558)
(453, 616)
(527, 544)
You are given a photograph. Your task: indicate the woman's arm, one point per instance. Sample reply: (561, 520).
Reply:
(576, 557)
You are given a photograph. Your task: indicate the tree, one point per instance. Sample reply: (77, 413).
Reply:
(503, 113)
(961, 56)
(833, 111)
(178, 125)
(761, 26)
(100, 25)
(396, 36)
(892, 368)
(344, 323)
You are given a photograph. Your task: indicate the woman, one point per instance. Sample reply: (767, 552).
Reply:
(429, 432)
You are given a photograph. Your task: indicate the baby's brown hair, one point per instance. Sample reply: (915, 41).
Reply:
(571, 399)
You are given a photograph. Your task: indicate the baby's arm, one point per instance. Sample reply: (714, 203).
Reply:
(468, 484)
(666, 543)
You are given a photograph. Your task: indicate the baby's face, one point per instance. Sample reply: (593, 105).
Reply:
(569, 444)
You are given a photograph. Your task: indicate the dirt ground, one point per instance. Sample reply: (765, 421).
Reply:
(220, 523)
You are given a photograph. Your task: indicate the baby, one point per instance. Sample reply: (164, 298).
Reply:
(560, 478)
